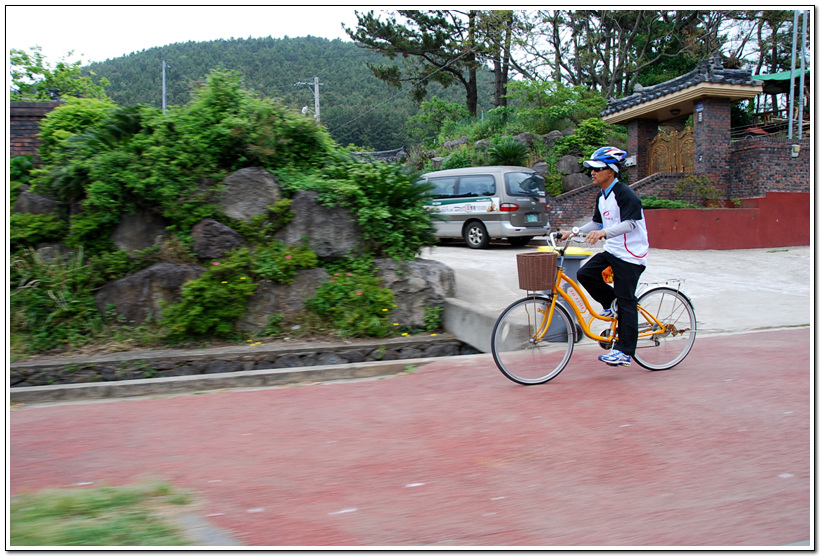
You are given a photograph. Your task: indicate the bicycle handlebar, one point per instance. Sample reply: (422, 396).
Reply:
(554, 237)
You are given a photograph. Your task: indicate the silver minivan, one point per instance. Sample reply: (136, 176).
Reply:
(489, 202)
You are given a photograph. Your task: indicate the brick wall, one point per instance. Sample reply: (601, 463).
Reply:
(765, 164)
(24, 122)
(641, 133)
(576, 207)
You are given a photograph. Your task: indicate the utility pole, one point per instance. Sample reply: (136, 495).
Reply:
(315, 90)
(163, 86)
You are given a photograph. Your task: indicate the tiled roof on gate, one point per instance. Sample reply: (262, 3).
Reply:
(708, 71)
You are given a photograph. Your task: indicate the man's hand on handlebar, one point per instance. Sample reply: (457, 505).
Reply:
(594, 236)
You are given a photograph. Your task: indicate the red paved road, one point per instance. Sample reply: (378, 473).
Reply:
(715, 452)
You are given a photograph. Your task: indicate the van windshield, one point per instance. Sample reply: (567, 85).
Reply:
(525, 183)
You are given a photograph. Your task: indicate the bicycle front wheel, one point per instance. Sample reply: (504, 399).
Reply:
(662, 347)
(524, 349)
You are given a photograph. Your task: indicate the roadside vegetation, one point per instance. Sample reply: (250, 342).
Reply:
(132, 515)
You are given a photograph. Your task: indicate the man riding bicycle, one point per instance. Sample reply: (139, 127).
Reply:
(618, 217)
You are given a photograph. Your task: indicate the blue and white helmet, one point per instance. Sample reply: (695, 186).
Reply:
(607, 156)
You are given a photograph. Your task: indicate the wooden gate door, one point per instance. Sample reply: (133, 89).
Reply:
(672, 152)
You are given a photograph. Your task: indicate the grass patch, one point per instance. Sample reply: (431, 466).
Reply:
(133, 515)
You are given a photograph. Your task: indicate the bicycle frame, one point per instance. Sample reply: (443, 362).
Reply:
(656, 328)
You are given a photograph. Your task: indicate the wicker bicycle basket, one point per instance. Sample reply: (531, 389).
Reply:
(537, 271)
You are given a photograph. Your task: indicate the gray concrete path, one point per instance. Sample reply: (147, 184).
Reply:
(732, 291)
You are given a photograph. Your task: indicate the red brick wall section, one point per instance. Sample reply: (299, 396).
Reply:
(766, 164)
(24, 122)
(776, 220)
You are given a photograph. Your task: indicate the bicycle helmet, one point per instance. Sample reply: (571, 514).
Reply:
(607, 156)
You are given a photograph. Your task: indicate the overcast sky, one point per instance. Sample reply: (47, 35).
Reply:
(97, 33)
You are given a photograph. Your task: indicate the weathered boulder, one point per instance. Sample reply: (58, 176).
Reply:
(483, 145)
(574, 181)
(271, 298)
(139, 231)
(139, 296)
(248, 192)
(213, 239)
(569, 165)
(450, 145)
(541, 168)
(332, 233)
(526, 138)
(416, 285)
(437, 162)
(550, 138)
(35, 204)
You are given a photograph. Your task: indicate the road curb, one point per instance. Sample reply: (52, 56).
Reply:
(217, 381)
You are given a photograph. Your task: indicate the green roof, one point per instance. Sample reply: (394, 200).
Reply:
(778, 83)
(780, 76)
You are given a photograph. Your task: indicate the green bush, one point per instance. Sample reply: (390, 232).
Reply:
(508, 152)
(589, 136)
(354, 304)
(652, 202)
(20, 168)
(387, 201)
(27, 230)
(280, 263)
(52, 301)
(697, 188)
(461, 158)
(118, 160)
(211, 304)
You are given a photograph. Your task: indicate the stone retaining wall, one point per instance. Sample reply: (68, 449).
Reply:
(167, 363)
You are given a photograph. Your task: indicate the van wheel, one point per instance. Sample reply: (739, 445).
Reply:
(519, 241)
(475, 234)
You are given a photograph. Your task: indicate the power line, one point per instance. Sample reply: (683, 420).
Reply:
(405, 90)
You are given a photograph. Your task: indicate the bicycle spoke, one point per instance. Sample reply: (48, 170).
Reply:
(524, 349)
(663, 346)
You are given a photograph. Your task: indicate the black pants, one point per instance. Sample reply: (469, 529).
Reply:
(622, 289)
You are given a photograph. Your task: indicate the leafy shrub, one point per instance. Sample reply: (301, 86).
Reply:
(387, 202)
(589, 136)
(280, 263)
(52, 301)
(546, 106)
(118, 160)
(652, 202)
(30, 229)
(211, 304)
(508, 152)
(354, 304)
(461, 158)
(697, 188)
(20, 168)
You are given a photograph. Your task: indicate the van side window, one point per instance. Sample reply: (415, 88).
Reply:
(476, 186)
(443, 187)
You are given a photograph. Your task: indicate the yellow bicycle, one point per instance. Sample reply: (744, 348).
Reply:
(533, 339)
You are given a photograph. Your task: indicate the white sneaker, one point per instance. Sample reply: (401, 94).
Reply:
(616, 358)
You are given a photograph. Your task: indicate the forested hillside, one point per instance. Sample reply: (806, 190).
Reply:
(356, 107)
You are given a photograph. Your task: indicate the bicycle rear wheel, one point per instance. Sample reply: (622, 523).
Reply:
(523, 350)
(660, 349)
